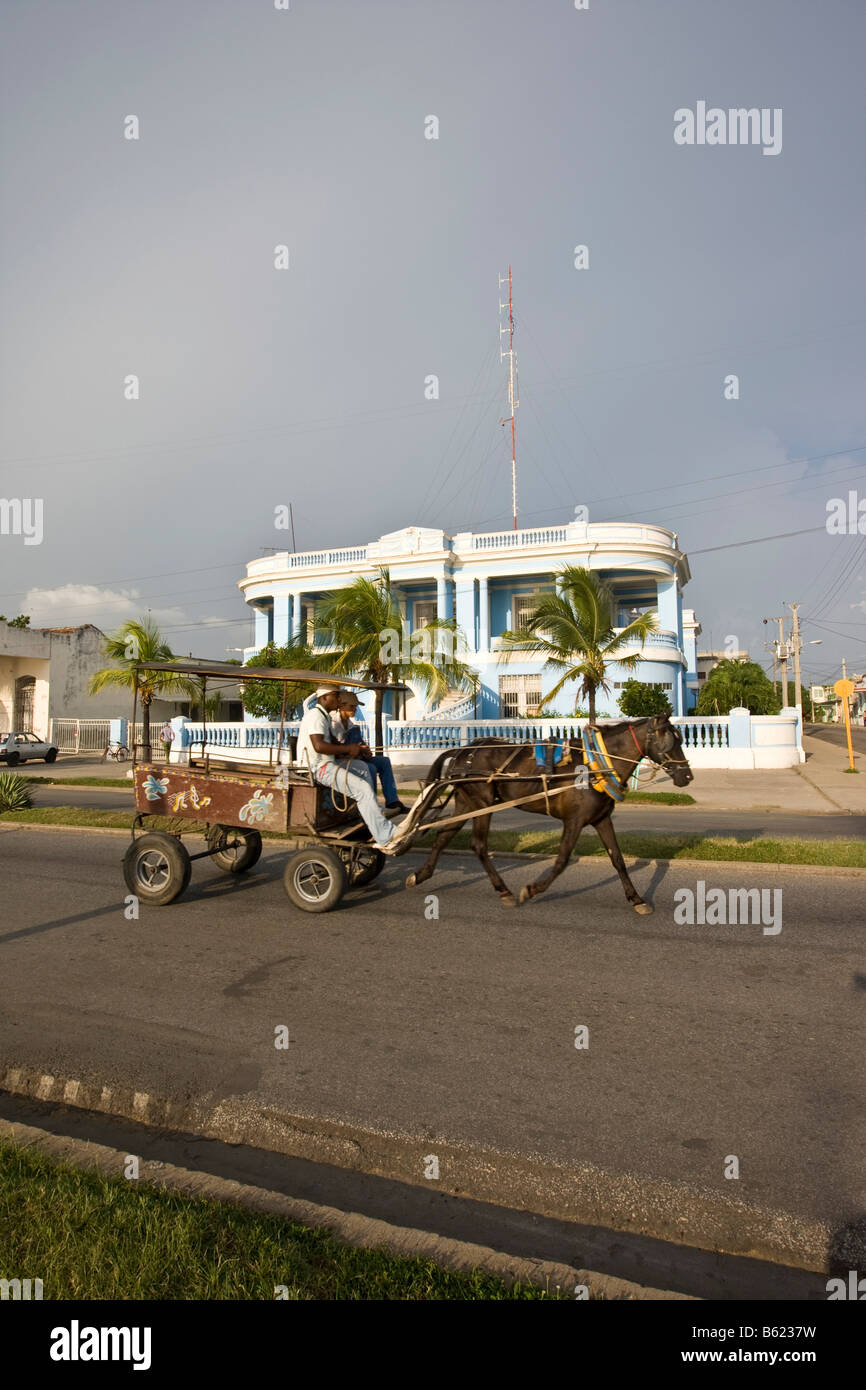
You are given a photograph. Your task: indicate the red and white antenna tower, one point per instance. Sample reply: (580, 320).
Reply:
(513, 402)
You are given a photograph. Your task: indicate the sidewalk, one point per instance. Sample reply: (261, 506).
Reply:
(820, 785)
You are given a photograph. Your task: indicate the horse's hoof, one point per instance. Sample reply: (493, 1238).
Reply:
(525, 893)
(643, 908)
(411, 880)
(508, 899)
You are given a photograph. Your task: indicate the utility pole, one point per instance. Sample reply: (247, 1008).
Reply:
(513, 402)
(796, 643)
(780, 653)
(783, 660)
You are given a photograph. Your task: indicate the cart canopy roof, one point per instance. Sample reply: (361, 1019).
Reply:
(224, 670)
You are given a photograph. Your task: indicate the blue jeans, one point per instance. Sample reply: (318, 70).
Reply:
(351, 777)
(377, 764)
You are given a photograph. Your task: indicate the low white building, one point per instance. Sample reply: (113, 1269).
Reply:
(45, 674)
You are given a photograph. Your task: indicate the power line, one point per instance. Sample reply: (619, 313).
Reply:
(758, 540)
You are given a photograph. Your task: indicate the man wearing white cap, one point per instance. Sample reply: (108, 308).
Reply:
(336, 765)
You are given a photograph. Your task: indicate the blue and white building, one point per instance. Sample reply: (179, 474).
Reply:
(488, 580)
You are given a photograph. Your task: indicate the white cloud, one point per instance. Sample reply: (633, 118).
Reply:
(72, 604)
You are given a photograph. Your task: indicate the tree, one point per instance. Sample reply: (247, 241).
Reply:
(23, 620)
(639, 700)
(264, 699)
(737, 684)
(134, 642)
(573, 629)
(365, 624)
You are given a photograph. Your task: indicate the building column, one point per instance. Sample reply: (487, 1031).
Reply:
(667, 595)
(444, 606)
(466, 610)
(282, 619)
(296, 616)
(262, 627)
(483, 615)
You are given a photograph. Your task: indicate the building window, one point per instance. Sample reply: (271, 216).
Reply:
(660, 685)
(25, 689)
(522, 606)
(425, 612)
(519, 696)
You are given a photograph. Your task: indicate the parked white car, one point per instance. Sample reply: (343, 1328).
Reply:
(22, 748)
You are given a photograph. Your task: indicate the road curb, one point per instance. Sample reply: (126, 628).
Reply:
(702, 1218)
(838, 870)
(350, 1227)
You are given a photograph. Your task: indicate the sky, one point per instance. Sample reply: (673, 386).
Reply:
(307, 128)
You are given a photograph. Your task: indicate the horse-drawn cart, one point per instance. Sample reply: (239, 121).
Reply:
(577, 781)
(231, 802)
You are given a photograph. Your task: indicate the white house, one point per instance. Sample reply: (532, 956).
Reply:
(488, 580)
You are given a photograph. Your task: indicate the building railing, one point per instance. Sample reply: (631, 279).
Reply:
(738, 740)
(502, 540)
(309, 559)
(662, 637)
(573, 533)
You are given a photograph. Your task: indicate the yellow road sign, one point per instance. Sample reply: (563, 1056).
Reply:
(843, 688)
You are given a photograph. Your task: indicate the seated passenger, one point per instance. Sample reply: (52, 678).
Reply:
(336, 765)
(346, 731)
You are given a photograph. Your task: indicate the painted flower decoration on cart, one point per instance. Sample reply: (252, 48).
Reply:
(258, 806)
(155, 788)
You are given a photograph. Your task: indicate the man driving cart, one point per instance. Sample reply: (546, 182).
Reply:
(343, 766)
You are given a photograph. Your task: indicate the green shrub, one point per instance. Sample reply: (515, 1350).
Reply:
(14, 793)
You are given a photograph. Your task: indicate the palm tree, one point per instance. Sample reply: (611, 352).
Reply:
(134, 642)
(573, 629)
(733, 684)
(364, 622)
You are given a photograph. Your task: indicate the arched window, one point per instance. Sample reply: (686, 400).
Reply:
(25, 688)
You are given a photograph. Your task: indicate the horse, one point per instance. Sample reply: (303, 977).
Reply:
(490, 771)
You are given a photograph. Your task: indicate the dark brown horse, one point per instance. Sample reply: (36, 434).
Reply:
(472, 771)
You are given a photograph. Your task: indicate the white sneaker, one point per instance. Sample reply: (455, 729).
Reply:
(397, 842)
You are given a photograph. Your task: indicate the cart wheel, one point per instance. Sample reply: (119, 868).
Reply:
(363, 865)
(315, 879)
(156, 868)
(236, 848)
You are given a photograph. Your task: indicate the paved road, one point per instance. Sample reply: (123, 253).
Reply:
(835, 733)
(659, 819)
(705, 1041)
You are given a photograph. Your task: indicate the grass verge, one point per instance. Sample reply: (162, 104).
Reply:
(80, 782)
(633, 798)
(92, 1237)
(843, 854)
(652, 798)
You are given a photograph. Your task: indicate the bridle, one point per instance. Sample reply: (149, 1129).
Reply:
(665, 760)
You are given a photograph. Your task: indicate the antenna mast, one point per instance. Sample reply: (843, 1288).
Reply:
(513, 402)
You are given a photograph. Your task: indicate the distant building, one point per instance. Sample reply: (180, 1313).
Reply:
(488, 581)
(45, 674)
(708, 661)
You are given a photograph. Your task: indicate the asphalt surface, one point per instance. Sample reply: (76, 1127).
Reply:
(835, 734)
(704, 1041)
(692, 820)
